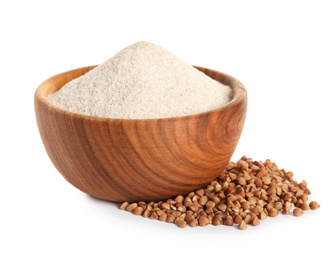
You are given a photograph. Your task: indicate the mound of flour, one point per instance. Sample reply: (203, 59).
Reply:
(142, 81)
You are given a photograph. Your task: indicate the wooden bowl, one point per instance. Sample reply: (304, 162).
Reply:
(139, 160)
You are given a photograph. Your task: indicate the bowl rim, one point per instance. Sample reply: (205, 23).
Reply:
(238, 90)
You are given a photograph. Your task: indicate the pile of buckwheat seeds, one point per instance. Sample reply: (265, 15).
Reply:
(244, 193)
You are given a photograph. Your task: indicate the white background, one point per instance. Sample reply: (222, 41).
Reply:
(281, 50)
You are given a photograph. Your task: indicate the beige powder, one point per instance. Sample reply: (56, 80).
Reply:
(142, 81)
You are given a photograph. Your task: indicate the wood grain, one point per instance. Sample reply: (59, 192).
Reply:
(139, 160)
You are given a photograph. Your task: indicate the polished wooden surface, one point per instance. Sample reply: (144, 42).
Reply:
(139, 160)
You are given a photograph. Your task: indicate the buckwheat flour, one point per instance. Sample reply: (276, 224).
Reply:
(142, 81)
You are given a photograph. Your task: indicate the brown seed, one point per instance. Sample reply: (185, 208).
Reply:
(214, 183)
(217, 220)
(163, 217)
(171, 202)
(273, 212)
(262, 215)
(170, 218)
(232, 176)
(279, 191)
(210, 188)
(245, 205)
(256, 211)
(248, 219)
(189, 218)
(222, 207)
(160, 212)
(131, 207)
(181, 208)
(146, 213)
(154, 215)
(303, 185)
(286, 211)
(203, 221)
(176, 213)
(216, 200)
(258, 182)
(187, 202)
(255, 221)
(178, 219)
(181, 224)
(142, 204)
(225, 185)
(203, 200)
(193, 223)
(218, 187)
(278, 206)
(241, 181)
(261, 203)
(189, 213)
(138, 211)
(200, 192)
(298, 212)
(210, 218)
(242, 225)
(269, 206)
(202, 213)
(210, 204)
(266, 180)
(304, 198)
(179, 199)
(193, 208)
(299, 193)
(271, 191)
(228, 221)
(299, 203)
(237, 219)
(165, 205)
(124, 205)
(305, 206)
(288, 205)
(307, 191)
(191, 194)
(314, 205)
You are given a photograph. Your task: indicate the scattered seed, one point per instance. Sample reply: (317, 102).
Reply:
(138, 211)
(154, 215)
(217, 220)
(193, 223)
(244, 193)
(131, 207)
(237, 219)
(124, 205)
(181, 224)
(203, 221)
(242, 225)
(273, 212)
(228, 221)
(286, 211)
(255, 221)
(305, 206)
(262, 215)
(278, 206)
(170, 218)
(248, 219)
(179, 199)
(203, 200)
(298, 212)
(314, 205)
